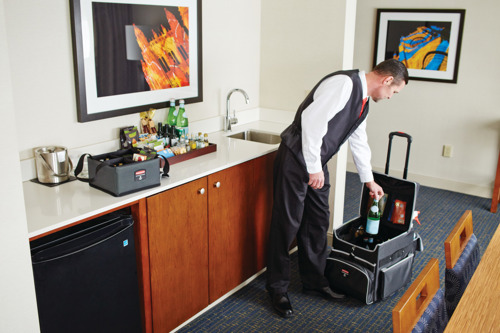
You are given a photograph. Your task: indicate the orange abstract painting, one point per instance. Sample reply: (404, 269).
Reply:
(134, 55)
(166, 56)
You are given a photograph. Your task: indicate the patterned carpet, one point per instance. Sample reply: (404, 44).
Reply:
(249, 309)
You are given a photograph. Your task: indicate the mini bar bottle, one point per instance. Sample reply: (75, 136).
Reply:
(372, 222)
(172, 114)
(182, 119)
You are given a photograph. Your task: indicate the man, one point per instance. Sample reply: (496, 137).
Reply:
(332, 113)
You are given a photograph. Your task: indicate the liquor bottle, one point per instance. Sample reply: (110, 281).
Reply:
(160, 131)
(166, 134)
(199, 141)
(372, 223)
(182, 144)
(172, 114)
(182, 118)
(205, 140)
(186, 143)
(192, 141)
(174, 139)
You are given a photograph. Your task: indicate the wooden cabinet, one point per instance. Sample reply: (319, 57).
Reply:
(201, 246)
(230, 228)
(239, 214)
(178, 241)
(263, 206)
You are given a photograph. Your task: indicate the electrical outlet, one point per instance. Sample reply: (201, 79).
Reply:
(447, 150)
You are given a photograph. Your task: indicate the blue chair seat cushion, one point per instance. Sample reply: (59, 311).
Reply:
(457, 278)
(434, 318)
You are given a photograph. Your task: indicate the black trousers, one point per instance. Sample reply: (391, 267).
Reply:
(302, 212)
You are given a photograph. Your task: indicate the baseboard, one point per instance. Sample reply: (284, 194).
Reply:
(219, 300)
(329, 237)
(224, 297)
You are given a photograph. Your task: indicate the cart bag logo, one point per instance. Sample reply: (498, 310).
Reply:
(140, 175)
(344, 272)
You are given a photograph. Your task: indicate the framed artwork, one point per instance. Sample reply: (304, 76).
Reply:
(133, 55)
(427, 41)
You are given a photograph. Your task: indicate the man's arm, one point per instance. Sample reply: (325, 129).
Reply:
(361, 155)
(330, 97)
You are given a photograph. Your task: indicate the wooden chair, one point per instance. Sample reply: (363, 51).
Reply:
(422, 304)
(462, 254)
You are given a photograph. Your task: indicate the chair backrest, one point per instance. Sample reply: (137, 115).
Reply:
(416, 299)
(458, 238)
(462, 254)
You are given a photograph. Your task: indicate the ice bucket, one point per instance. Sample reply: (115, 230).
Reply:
(53, 164)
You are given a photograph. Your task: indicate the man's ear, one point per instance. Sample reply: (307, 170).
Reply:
(388, 80)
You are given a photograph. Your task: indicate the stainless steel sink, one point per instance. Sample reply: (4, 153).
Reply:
(257, 136)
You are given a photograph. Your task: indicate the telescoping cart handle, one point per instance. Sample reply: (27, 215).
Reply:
(409, 139)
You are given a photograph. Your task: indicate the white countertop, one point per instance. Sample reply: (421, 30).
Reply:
(50, 208)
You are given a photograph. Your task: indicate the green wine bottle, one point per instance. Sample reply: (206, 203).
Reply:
(372, 222)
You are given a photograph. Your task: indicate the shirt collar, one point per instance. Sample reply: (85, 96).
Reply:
(362, 77)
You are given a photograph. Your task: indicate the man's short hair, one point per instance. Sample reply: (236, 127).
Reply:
(394, 68)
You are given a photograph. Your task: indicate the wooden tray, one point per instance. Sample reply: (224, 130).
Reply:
(192, 154)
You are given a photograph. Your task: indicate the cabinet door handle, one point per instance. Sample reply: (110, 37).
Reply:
(217, 184)
(201, 191)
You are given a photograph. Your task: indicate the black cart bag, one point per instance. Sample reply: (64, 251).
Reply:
(374, 271)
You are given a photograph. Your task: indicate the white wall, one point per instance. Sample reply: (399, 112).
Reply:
(465, 115)
(304, 43)
(301, 43)
(17, 293)
(299, 46)
(40, 47)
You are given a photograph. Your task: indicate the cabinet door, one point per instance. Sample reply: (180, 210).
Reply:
(263, 196)
(231, 235)
(177, 228)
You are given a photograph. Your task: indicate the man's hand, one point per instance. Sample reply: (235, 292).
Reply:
(375, 190)
(316, 180)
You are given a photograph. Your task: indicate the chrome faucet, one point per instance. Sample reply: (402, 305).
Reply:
(228, 121)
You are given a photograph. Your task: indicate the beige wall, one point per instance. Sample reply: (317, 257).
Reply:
(302, 44)
(299, 46)
(17, 293)
(40, 45)
(464, 115)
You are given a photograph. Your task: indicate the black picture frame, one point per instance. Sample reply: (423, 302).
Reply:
(115, 76)
(428, 41)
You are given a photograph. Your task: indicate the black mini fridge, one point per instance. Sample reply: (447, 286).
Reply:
(86, 277)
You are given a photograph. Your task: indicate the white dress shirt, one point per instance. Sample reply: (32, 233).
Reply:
(329, 98)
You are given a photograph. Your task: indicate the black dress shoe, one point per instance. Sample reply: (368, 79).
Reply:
(325, 292)
(282, 305)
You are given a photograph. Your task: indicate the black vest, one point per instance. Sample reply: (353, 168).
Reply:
(340, 127)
